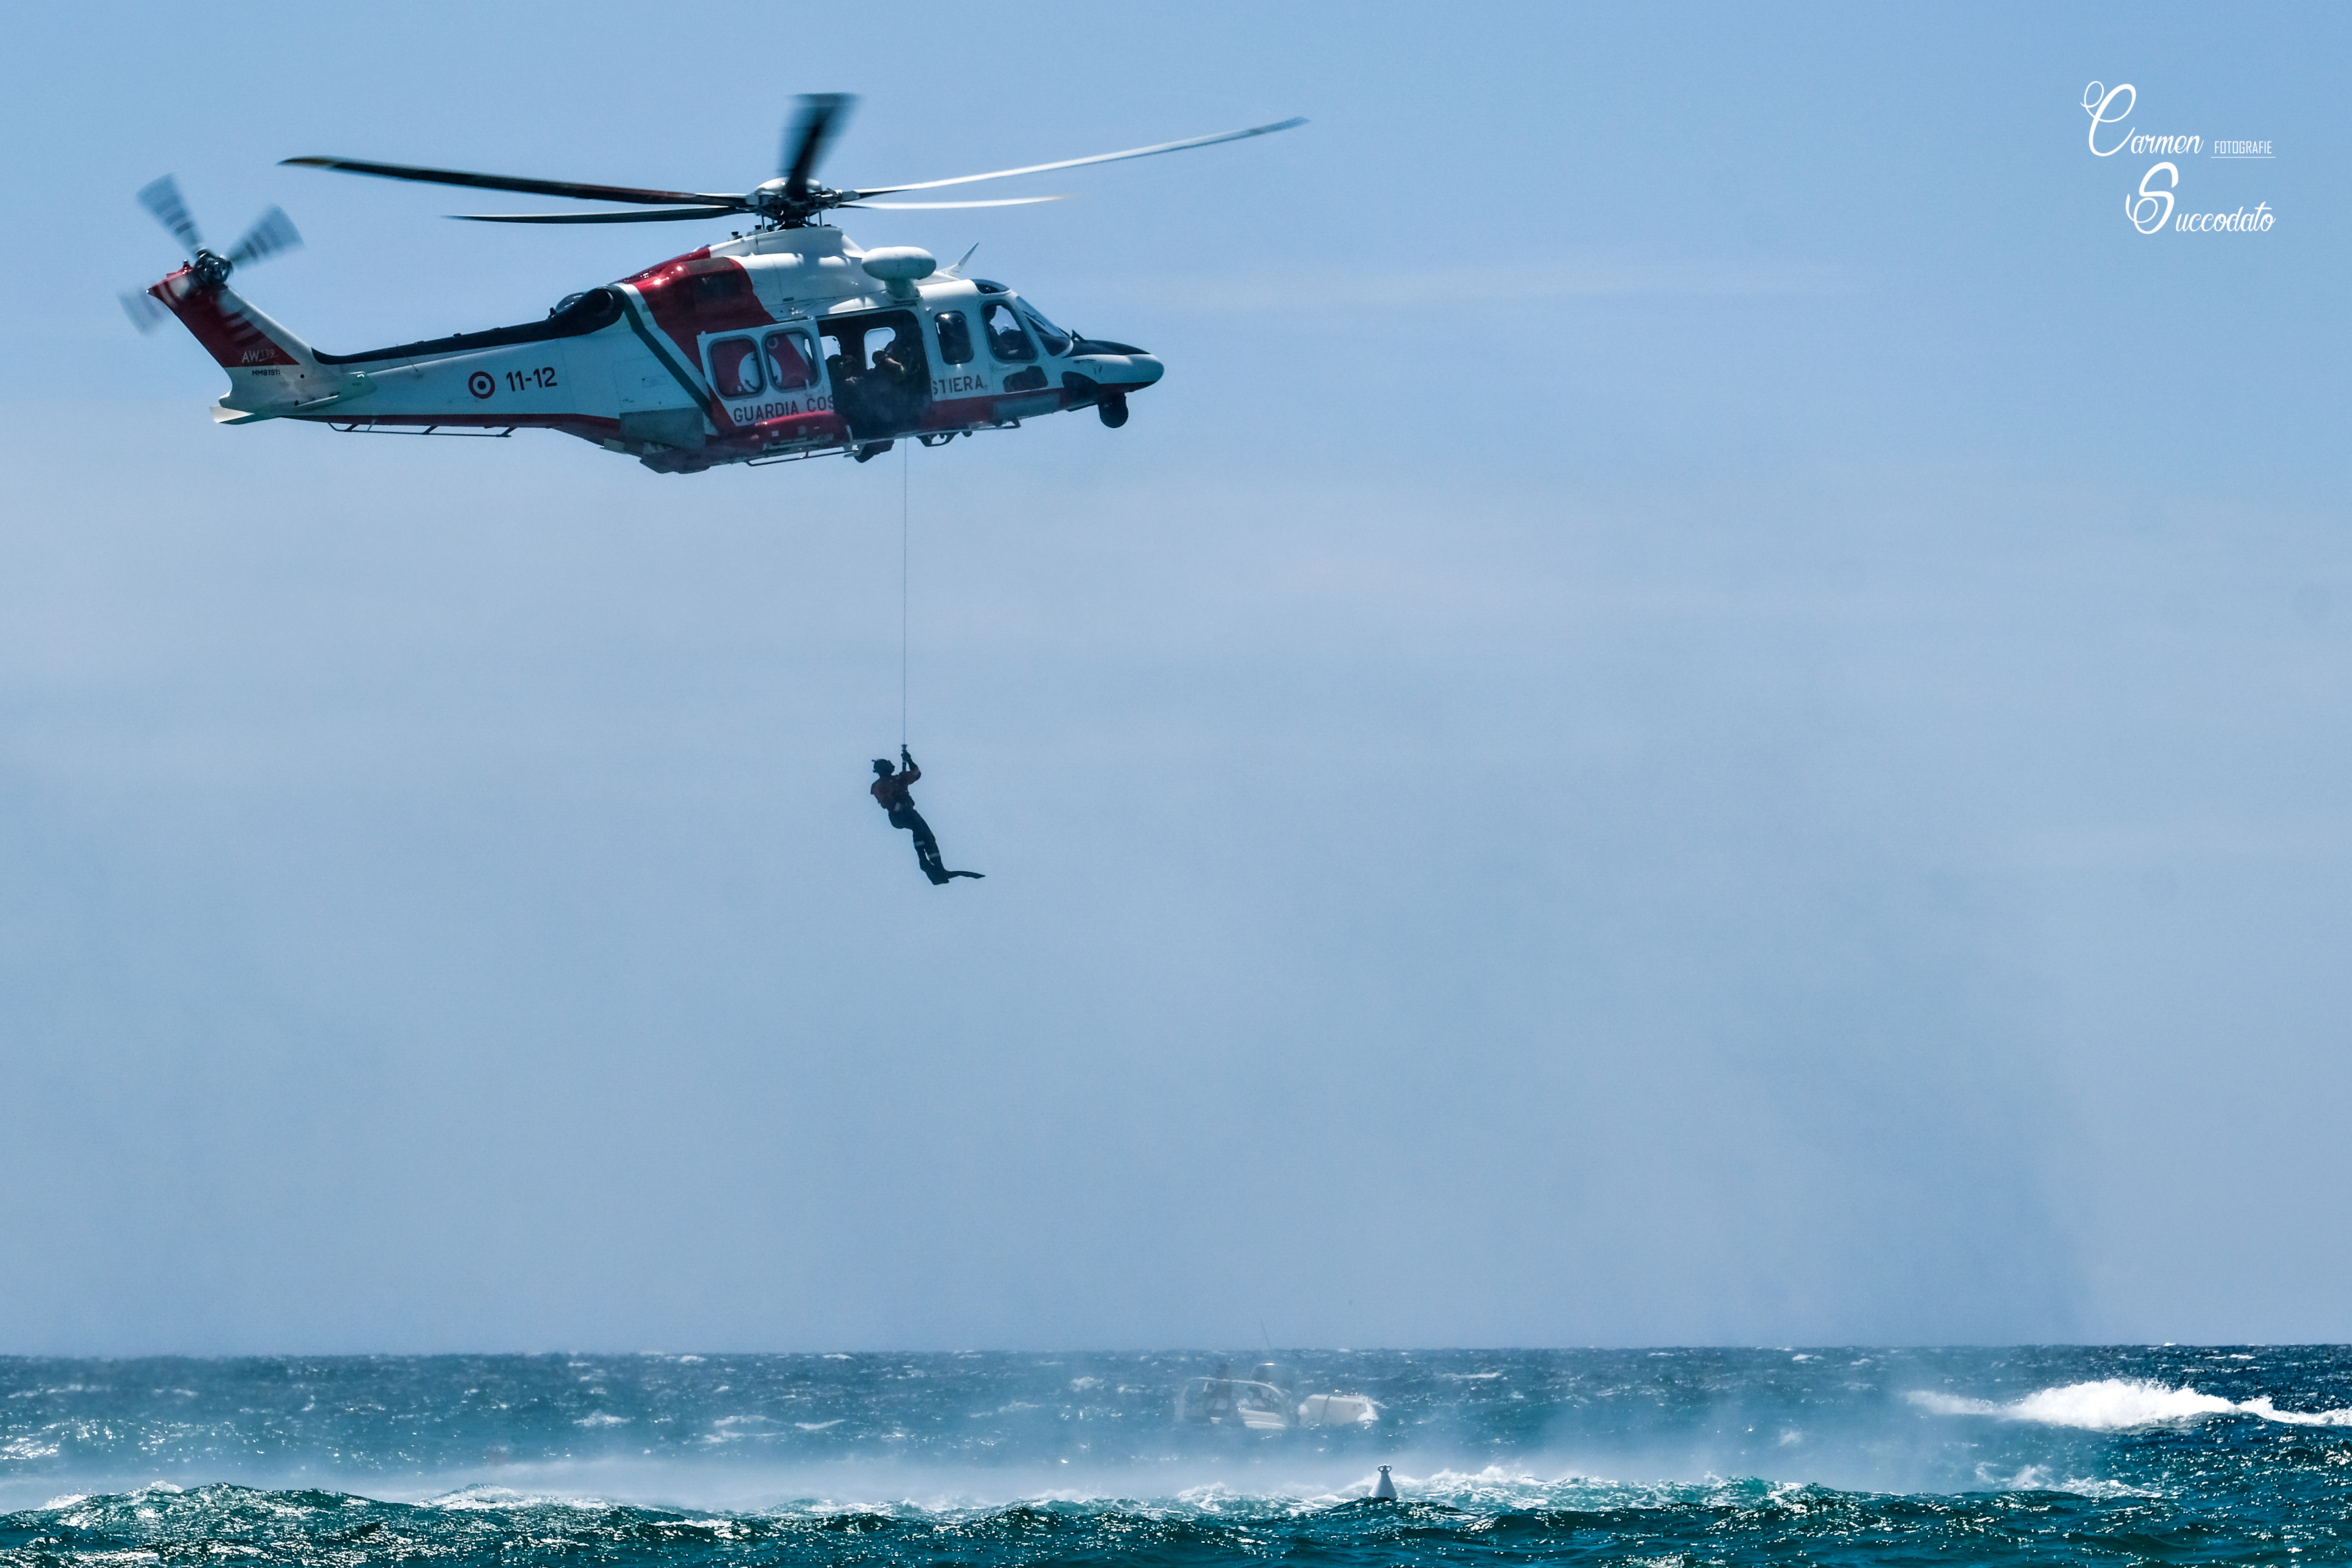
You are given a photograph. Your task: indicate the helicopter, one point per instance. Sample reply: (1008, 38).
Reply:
(784, 342)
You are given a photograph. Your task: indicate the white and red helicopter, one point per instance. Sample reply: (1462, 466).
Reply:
(782, 343)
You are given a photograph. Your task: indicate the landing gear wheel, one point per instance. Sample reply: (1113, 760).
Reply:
(1112, 411)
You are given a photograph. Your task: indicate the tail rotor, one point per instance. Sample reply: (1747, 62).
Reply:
(146, 313)
(272, 234)
(161, 198)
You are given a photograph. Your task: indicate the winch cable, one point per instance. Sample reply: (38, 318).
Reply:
(905, 455)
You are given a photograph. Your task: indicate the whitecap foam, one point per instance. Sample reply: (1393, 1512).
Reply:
(2038, 1478)
(481, 1496)
(2121, 1405)
(2261, 1405)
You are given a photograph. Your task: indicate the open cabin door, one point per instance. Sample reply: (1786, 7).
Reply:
(880, 374)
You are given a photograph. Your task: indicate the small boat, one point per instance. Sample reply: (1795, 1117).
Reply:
(1264, 1402)
(1336, 1410)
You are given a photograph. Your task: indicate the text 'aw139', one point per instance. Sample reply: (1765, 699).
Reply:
(784, 342)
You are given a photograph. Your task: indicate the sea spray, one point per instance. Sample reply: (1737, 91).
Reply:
(2049, 1455)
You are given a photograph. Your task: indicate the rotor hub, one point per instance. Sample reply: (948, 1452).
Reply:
(776, 202)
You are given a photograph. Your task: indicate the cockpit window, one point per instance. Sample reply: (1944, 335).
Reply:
(735, 368)
(1057, 342)
(1006, 340)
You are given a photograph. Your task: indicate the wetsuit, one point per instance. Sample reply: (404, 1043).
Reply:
(890, 793)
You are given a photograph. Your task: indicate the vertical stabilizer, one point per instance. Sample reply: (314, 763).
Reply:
(270, 370)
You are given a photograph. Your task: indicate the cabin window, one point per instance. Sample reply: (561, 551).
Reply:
(1057, 342)
(792, 363)
(1006, 340)
(735, 368)
(890, 348)
(955, 338)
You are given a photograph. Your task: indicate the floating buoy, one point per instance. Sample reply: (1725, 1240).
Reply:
(1386, 1490)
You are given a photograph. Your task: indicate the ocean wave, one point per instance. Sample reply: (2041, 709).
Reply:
(1492, 1516)
(1022, 1461)
(2121, 1405)
(1494, 1492)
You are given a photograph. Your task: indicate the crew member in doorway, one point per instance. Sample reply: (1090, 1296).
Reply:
(890, 793)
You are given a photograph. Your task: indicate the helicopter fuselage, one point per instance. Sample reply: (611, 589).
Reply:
(782, 344)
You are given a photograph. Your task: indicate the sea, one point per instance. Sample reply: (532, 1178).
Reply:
(2048, 1455)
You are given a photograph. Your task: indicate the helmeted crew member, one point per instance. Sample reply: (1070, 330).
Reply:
(890, 793)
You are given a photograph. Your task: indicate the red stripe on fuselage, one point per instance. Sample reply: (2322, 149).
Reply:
(791, 428)
(663, 268)
(957, 413)
(684, 307)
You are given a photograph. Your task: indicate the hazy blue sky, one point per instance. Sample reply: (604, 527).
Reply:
(1711, 705)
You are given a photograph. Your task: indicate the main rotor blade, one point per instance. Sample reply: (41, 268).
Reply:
(161, 198)
(527, 187)
(819, 120)
(272, 233)
(675, 214)
(1097, 158)
(936, 207)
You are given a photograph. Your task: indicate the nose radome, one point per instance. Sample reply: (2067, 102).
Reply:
(1147, 369)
